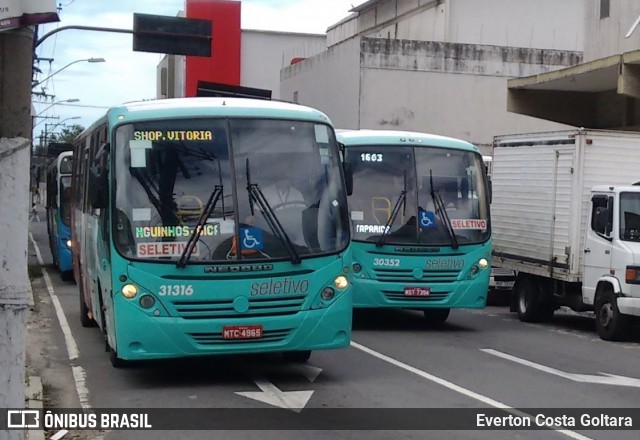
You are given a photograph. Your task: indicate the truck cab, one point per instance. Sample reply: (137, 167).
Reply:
(611, 258)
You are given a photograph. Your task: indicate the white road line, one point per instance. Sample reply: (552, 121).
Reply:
(458, 389)
(72, 348)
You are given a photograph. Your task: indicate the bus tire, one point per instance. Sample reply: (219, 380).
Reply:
(437, 316)
(117, 362)
(610, 323)
(66, 275)
(84, 314)
(297, 356)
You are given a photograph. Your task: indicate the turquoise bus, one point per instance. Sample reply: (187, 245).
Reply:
(58, 207)
(420, 222)
(207, 226)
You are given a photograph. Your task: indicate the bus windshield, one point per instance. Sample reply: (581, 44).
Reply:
(177, 179)
(65, 200)
(429, 175)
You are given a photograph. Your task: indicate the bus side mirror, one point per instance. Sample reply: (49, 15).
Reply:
(348, 177)
(98, 188)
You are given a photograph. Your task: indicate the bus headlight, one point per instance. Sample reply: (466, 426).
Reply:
(129, 291)
(357, 267)
(483, 263)
(341, 282)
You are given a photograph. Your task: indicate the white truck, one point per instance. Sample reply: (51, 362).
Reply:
(565, 215)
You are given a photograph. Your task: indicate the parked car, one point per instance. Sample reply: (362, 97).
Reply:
(500, 285)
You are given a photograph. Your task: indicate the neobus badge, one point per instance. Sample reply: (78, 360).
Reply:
(416, 249)
(243, 268)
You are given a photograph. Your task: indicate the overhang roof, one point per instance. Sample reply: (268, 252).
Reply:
(595, 94)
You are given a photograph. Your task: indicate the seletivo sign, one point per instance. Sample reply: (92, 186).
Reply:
(19, 13)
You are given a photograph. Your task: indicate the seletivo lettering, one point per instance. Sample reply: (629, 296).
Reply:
(286, 286)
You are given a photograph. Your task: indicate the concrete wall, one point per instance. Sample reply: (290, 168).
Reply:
(457, 90)
(606, 36)
(264, 53)
(329, 82)
(545, 24)
(549, 24)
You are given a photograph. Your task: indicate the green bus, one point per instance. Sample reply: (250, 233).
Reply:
(420, 222)
(206, 226)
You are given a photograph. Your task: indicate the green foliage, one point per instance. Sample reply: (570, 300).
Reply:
(67, 134)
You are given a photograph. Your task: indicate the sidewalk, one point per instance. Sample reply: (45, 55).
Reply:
(34, 393)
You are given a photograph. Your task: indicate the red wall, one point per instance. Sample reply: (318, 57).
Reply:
(224, 64)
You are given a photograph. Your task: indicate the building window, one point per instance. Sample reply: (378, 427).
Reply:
(295, 96)
(604, 8)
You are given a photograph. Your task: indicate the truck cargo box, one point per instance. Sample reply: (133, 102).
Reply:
(541, 184)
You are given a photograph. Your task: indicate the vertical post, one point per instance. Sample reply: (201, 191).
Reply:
(16, 60)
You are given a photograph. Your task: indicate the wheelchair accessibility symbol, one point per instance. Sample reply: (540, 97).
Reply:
(427, 219)
(251, 238)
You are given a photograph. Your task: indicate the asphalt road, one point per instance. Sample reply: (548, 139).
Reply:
(476, 362)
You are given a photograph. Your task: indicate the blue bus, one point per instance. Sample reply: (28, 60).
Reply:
(419, 210)
(205, 226)
(58, 206)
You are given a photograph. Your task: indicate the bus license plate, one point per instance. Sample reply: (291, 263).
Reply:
(242, 332)
(417, 291)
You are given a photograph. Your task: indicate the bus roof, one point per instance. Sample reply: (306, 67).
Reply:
(400, 138)
(212, 107)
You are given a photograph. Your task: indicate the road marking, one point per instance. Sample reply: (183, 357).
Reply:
(272, 395)
(605, 379)
(458, 389)
(79, 374)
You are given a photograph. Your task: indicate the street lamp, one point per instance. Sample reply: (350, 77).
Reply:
(88, 60)
(55, 103)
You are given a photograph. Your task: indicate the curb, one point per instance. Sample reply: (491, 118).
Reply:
(33, 400)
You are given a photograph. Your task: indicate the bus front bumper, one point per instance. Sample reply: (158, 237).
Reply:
(150, 337)
(471, 294)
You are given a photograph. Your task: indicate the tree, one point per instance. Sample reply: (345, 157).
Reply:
(67, 134)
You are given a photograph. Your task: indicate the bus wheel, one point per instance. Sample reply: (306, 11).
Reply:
(116, 361)
(437, 316)
(67, 275)
(610, 323)
(84, 314)
(297, 356)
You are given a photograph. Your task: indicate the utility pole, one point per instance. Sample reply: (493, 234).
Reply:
(16, 56)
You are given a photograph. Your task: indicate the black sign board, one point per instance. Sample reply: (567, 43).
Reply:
(227, 91)
(174, 35)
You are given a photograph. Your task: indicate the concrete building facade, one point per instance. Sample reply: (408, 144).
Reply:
(240, 57)
(603, 92)
(437, 66)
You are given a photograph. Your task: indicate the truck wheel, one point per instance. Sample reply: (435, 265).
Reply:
(436, 315)
(528, 303)
(610, 323)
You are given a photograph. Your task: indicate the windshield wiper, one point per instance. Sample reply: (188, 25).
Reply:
(257, 196)
(195, 234)
(402, 200)
(439, 205)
